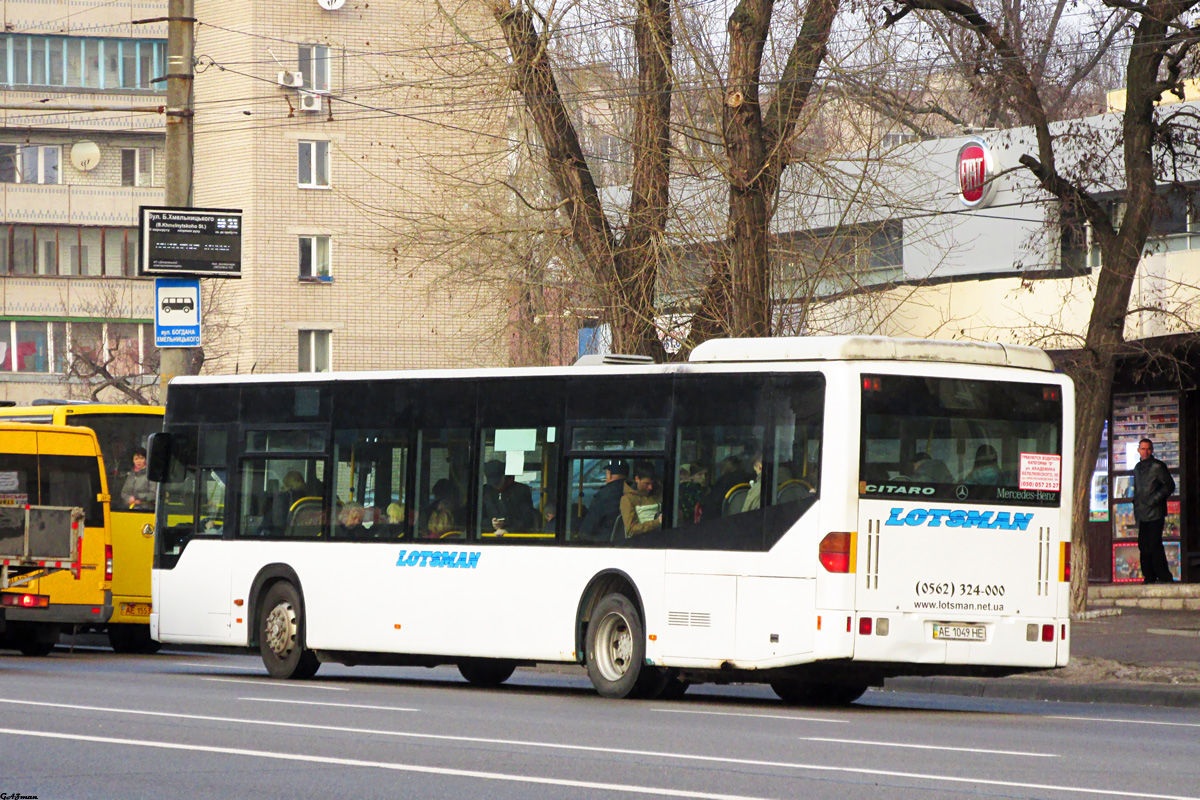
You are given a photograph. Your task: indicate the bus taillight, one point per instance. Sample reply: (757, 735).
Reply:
(836, 550)
(25, 600)
(1064, 560)
(108, 562)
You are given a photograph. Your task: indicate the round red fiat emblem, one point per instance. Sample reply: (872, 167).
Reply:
(974, 173)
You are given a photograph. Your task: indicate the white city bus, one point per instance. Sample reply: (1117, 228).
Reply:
(814, 513)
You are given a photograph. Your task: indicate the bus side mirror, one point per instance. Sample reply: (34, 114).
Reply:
(158, 457)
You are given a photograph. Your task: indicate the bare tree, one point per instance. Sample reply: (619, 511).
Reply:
(1075, 168)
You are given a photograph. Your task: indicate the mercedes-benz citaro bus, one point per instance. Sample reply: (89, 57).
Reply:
(813, 513)
(57, 466)
(122, 430)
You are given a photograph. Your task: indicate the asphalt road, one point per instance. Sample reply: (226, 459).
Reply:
(94, 724)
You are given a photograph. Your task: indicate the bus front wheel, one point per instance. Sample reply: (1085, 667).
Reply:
(488, 672)
(279, 637)
(131, 638)
(616, 647)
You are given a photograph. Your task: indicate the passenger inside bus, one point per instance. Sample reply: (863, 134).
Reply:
(351, 522)
(507, 503)
(137, 493)
(927, 469)
(986, 471)
(641, 503)
(605, 508)
(445, 515)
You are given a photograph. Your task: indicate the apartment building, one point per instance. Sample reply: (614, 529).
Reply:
(79, 153)
(361, 142)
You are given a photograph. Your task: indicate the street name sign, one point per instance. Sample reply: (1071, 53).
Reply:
(190, 242)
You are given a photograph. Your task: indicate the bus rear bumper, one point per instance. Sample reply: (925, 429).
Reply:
(1016, 642)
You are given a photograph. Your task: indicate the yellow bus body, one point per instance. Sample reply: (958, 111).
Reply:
(82, 600)
(131, 532)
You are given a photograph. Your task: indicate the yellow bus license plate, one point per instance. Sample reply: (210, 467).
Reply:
(962, 633)
(136, 609)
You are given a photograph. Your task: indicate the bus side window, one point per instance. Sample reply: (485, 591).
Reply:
(177, 509)
(443, 476)
(519, 467)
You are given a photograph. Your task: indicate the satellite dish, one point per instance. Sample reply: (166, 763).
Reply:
(85, 156)
(331, 5)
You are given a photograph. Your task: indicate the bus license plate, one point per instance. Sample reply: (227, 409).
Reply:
(138, 609)
(962, 633)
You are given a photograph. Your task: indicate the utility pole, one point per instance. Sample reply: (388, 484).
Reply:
(181, 49)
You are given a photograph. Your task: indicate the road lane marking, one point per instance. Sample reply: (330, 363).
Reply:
(609, 751)
(274, 682)
(1131, 721)
(355, 762)
(759, 716)
(615, 787)
(929, 747)
(213, 666)
(316, 703)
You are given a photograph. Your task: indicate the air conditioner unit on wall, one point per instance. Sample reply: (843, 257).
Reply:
(310, 102)
(290, 79)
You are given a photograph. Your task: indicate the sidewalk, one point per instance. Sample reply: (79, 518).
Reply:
(1142, 656)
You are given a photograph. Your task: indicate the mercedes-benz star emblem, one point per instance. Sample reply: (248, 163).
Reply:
(961, 492)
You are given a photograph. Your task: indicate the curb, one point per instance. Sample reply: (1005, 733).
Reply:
(1137, 694)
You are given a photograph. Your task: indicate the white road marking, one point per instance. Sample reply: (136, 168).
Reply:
(213, 666)
(316, 703)
(749, 762)
(1131, 721)
(273, 682)
(355, 762)
(929, 747)
(759, 716)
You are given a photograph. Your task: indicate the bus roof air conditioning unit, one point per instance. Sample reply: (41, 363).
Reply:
(289, 79)
(613, 359)
(310, 103)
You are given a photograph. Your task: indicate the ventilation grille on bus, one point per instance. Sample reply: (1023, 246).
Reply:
(1043, 577)
(871, 554)
(689, 619)
(613, 359)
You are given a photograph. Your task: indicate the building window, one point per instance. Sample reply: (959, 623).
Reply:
(314, 258)
(48, 346)
(313, 167)
(30, 163)
(313, 63)
(137, 166)
(314, 351)
(51, 251)
(82, 62)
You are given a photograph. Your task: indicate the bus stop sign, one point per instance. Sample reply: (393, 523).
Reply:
(176, 312)
(190, 242)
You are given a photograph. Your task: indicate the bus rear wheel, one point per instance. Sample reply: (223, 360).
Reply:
(131, 638)
(487, 672)
(36, 640)
(279, 635)
(616, 648)
(806, 693)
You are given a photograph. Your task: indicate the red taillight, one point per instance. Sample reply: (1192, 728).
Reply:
(1050, 393)
(864, 626)
(834, 551)
(25, 600)
(1065, 560)
(1047, 633)
(872, 384)
(108, 562)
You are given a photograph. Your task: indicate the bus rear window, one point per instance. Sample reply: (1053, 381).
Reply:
(960, 440)
(72, 481)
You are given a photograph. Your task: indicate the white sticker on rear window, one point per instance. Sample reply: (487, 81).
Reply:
(1040, 472)
(9, 481)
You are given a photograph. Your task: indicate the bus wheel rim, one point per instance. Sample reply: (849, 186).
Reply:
(615, 651)
(280, 630)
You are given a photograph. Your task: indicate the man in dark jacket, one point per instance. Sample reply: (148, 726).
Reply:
(506, 503)
(605, 508)
(1152, 485)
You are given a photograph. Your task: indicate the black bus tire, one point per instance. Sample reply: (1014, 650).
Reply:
(281, 635)
(131, 638)
(486, 672)
(616, 647)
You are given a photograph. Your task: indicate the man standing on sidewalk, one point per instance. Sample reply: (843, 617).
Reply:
(1152, 485)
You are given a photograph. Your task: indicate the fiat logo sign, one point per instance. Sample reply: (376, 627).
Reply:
(976, 173)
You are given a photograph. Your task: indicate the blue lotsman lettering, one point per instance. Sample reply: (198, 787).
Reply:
(1021, 521)
(936, 515)
(916, 517)
(978, 519)
(412, 559)
(895, 518)
(400, 560)
(473, 560)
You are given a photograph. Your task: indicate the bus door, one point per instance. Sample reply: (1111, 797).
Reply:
(960, 519)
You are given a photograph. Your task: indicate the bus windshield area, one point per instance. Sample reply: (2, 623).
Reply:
(122, 439)
(960, 440)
